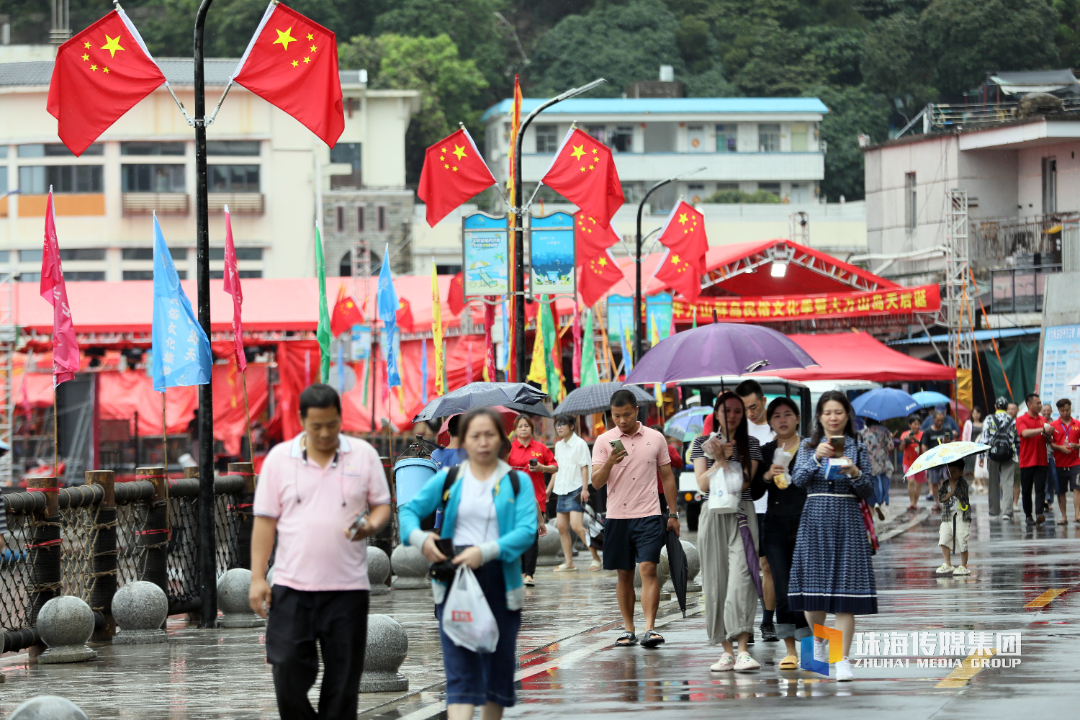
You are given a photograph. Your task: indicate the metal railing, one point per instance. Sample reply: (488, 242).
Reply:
(239, 203)
(88, 540)
(997, 239)
(1020, 289)
(144, 203)
(949, 116)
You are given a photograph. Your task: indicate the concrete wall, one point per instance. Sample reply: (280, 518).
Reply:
(1030, 177)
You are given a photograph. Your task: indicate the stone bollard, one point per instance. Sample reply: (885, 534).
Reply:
(550, 548)
(693, 567)
(48, 707)
(662, 575)
(410, 568)
(232, 592)
(387, 646)
(378, 570)
(65, 623)
(140, 609)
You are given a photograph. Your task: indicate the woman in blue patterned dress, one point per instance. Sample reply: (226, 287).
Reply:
(831, 571)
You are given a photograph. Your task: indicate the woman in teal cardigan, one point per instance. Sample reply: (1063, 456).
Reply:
(489, 519)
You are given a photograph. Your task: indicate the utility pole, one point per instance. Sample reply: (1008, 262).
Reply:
(520, 358)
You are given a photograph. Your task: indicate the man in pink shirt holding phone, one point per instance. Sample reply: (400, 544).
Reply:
(628, 459)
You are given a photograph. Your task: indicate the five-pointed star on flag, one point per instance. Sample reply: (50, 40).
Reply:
(112, 45)
(459, 151)
(579, 150)
(284, 38)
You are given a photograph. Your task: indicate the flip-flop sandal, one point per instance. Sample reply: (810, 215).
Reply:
(1062, 522)
(629, 637)
(789, 663)
(652, 639)
(529, 583)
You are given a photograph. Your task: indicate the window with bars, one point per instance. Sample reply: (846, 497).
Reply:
(64, 179)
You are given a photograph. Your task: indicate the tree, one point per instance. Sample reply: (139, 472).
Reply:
(852, 111)
(968, 38)
(450, 87)
(894, 63)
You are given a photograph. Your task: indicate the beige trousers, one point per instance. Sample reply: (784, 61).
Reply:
(731, 600)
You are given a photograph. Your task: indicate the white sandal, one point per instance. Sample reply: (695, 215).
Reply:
(563, 568)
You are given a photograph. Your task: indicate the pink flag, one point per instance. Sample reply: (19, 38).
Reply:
(232, 286)
(489, 344)
(576, 330)
(65, 347)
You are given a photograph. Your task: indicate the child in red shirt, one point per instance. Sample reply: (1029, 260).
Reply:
(910, 441)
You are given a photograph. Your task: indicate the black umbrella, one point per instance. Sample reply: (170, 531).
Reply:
(514, 396)
(676, 558)
(597, 398)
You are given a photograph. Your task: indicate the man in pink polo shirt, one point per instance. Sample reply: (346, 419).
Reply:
(634, 531)
(309, 493)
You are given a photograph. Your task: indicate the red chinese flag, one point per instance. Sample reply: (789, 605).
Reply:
(455, 297)
(405, 321)
(597, 276)
(345, 314)
(584, 173)
(99, 75)
(684, 235)
(453, 172)
(292, 63)
(680, 274)
(592, 238)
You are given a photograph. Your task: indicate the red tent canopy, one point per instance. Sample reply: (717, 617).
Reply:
(858, 356)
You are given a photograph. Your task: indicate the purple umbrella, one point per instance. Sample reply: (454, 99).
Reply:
(718, 349)
(752, 561)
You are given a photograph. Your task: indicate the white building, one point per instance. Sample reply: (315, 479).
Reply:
(262, 164)
(1022, 179)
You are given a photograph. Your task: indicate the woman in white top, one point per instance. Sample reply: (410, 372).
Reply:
(571, 484)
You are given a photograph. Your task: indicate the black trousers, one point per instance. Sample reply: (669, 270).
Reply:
(529, 557)
(1033, 476)
(778, 541)
(337, 621)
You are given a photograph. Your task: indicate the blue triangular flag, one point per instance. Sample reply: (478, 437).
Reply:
(181, 348)
(388, 307)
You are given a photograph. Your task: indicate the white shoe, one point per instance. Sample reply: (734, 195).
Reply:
(961, 570)
(745, 663)
(843, 671)
(945, 569)
(726, 663)
(821, 650)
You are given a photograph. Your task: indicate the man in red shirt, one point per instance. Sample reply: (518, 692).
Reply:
(1033, 430)
(1066, 446)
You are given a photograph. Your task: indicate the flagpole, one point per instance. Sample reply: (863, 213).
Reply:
(55, 435)
(207, 562)
(247, 415)
(164, 437)
(519, 231)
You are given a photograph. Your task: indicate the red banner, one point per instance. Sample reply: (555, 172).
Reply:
(780, 308)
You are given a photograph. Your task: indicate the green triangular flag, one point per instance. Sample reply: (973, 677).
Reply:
(323, 332)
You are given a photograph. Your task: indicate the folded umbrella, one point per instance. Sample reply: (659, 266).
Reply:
(718, 349)
(597, 398)
(676, 558)
(884, 403)
(945, 454)
(514, 396)
(752, 561)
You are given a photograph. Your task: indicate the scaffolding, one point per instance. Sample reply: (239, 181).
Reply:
(957, 275)
(8, 338)
(799, 228)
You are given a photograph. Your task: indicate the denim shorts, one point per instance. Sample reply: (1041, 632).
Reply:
(570, 502)
(475, 679)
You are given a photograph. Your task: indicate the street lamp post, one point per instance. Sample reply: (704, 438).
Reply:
(207, 561)
(639, 321)
(519, 231)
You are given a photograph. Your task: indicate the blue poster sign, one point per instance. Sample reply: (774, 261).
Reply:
(620, 317)
(1060, 364)
(486, 262)
(551, 254)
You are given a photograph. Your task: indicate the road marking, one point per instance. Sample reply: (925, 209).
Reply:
(1046, 598)
(971, 667)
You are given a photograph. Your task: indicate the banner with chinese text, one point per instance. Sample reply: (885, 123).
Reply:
(780, 308)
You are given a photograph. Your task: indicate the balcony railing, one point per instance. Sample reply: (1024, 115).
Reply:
(949, 116)
(138, 203)
(995, 240)
(239, 203)
(1021, 289)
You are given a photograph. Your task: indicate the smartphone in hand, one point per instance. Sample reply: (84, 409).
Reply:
(617, 445)
(837, 443)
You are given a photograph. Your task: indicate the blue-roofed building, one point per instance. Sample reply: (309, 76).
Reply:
(746, 144)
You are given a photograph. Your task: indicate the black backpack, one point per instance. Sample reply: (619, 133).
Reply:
(1001, 444)
(428, 523)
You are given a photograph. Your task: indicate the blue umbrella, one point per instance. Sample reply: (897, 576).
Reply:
(687, 422)
(884, 403)
(929, 398)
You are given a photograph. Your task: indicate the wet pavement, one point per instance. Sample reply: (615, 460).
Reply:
(568, 664)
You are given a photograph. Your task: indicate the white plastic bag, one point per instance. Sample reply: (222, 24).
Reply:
(467, 619)
(781, 457)
(725, 487)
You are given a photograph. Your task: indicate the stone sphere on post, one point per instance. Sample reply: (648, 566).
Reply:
(410, 568)
(65, 623)
(48, 707)
(378, 570)
(232, 592)
(550, 547)
(387, 646)
(693, 565)
(140, 609)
